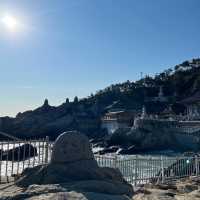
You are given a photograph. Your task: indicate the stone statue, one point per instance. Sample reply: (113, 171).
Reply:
(73, 164)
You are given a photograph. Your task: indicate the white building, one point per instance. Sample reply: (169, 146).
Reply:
(118, 119)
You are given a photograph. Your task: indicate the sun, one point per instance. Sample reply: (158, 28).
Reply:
(10, 22)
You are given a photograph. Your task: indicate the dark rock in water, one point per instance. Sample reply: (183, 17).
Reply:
(130, 150)
(99, 144)
(111, 149)
(20, 153)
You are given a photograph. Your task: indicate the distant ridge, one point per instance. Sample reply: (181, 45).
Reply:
(178, 83)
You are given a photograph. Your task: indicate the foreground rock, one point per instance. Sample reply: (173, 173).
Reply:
(184, 165)
(73, 173)
(76, 191)
(185, 189)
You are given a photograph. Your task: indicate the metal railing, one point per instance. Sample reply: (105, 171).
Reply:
(15, 156)
(141, 170)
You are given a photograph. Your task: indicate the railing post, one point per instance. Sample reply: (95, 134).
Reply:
(196, 165)
(162, 170)
(136, 169)
(115, 161)
(1, 155)
(47, 150)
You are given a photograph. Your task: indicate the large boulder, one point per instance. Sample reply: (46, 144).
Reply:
(70, 147)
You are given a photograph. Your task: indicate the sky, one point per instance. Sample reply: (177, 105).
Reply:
(66, 48)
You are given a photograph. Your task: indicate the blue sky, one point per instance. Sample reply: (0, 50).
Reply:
(75, 47)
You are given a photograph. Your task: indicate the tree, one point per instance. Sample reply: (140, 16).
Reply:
(67, 100)
(46, 102)
(75, 99)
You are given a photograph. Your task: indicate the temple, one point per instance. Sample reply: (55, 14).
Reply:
(114, 120)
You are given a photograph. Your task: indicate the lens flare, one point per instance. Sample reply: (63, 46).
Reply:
(10, 22)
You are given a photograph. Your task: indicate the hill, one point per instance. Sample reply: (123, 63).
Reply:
(85, 114)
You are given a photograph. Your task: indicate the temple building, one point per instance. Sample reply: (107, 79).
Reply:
(114, 120)
(168, 113)
(192, 106)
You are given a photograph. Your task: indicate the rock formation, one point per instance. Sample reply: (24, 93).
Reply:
(185, 189)
(48, 120)
(73, 173)
(153, 135)
(71, 147)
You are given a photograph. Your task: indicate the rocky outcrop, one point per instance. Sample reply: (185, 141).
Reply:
(74, 191)
(185, 189)
(71, 147)
(141, 140)
(73, 173)
(153, 135)
(51, 121)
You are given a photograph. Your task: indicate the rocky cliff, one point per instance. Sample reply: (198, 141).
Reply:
(50, 120)
(154, 135)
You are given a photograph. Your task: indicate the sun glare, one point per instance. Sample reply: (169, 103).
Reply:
(10, 22)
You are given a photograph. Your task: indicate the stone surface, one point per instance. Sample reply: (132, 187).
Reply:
(75, 191)
(78, 196)
(186, 189)
(71, 146)
(82, 170)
